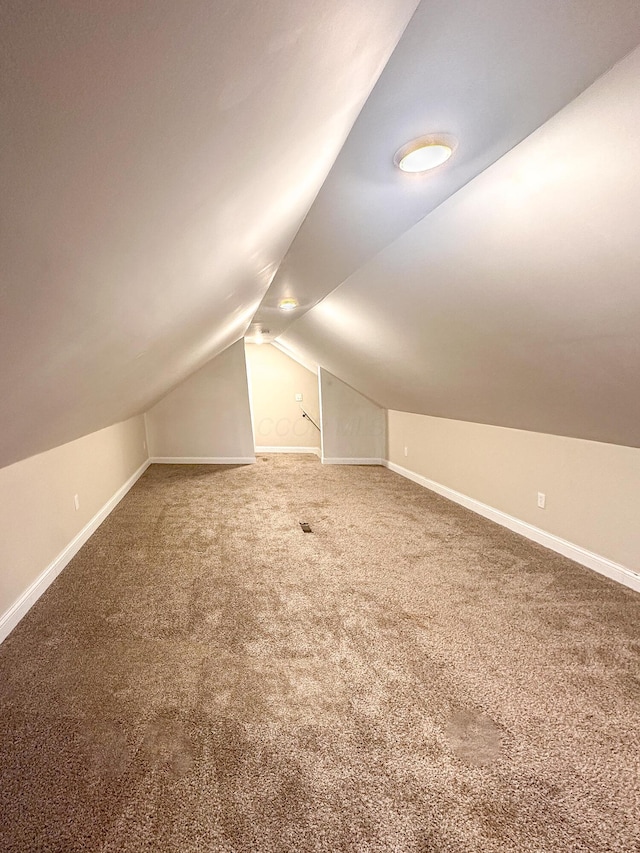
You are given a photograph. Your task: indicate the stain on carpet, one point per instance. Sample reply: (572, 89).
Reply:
(474, 737)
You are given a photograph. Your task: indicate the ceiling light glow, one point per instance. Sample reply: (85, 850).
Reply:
(256, 336)
(288, 304)
(425, 153)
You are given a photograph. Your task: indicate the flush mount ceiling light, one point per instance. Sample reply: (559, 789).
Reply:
(425, 153)
(288, 304)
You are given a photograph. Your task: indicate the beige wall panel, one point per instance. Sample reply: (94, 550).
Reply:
(275, 379)
(592, 489)
(353, 427)
(37, 511)
(207, 415)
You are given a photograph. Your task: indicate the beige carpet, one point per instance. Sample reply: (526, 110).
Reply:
(204, 676)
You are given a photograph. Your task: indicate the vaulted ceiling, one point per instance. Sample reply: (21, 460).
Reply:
(517, 301)
(170, 171)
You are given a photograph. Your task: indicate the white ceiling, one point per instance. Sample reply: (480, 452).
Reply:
(488, 73)
(517, 301)
(158, 160)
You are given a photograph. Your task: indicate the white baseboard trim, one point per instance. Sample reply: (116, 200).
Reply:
(202, 460)
(19, 608)
(314, 450)
(336, 460)
(555, 543)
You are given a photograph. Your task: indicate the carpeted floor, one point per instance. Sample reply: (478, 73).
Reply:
(204, 676)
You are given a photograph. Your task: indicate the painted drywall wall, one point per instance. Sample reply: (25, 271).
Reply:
(353, 427)
(38, 518)
(274, 381)
(207, 416)
(592, 489)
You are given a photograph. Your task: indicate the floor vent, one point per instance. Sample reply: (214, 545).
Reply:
(306, 528)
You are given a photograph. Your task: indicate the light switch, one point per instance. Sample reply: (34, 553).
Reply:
(298, 398)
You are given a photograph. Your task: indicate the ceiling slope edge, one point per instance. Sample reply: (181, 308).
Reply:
(141, 235)
(515, 303)
(490, 83)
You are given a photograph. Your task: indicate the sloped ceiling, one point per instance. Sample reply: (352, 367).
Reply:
(487, 73)
(159, 158)
(517, 301)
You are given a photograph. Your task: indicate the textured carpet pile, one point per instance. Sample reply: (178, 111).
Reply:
(204, 676)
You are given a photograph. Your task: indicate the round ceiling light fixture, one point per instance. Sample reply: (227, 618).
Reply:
(288, 304)
(425, 153)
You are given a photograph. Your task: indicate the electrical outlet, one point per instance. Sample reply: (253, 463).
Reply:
(406, 451)
(298, 398)
(76, 501)
(542, 499)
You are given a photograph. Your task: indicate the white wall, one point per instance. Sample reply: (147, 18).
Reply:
(38, 518)
(353, 427)
(592, 489)
(207, 417)
(274, 381)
